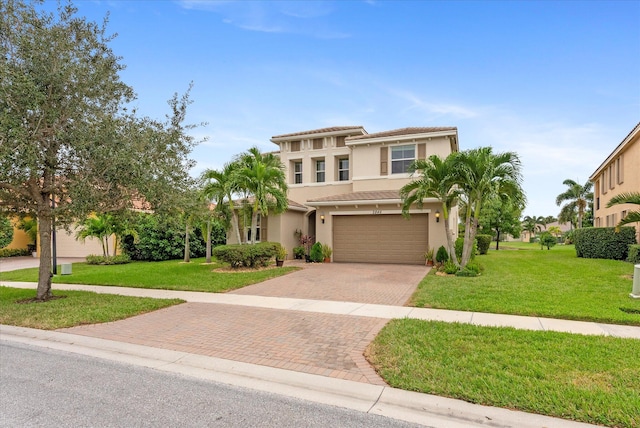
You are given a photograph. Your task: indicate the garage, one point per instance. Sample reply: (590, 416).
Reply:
(384, 238)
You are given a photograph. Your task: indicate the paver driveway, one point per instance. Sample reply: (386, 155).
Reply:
(347, 282)
(318, 343)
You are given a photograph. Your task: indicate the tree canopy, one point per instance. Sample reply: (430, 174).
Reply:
(69, 144)
(577, 197)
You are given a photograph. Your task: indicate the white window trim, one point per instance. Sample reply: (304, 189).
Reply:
(392, 160)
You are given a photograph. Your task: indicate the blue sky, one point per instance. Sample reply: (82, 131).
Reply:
(556, 82)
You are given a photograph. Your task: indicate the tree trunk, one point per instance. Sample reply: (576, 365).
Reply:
(450, 244)
(235, 223)
(254, 225)
(497, 239)
(208, 248)
(44, 272)
(187, 250)
(469, 236)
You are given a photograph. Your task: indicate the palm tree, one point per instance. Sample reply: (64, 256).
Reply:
(627, 198)
(436, 180)
(262, 177)
(220, 188)
(530, 224)
(578, 198)
(479, 174)
(99, 226)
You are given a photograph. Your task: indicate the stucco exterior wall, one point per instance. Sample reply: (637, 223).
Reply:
(619, 173)
(20, 238)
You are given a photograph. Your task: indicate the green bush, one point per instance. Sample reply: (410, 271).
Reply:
(568, 237)
(475, 267)
(247, 255)
(316, 253)
(634, 254)
(547, 240)
(604, 242)
(442, 255)
(14, 252)
(298, 252)
(6, 231)
(161, 238)
(466, 272)
(449, 267)
(120, 259)
(484, 242)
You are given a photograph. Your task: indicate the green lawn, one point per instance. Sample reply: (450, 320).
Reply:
(548, 283)
(586, 378)
(169, 275)
(76, 308)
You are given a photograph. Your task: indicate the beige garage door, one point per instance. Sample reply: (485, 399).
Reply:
(380, 238)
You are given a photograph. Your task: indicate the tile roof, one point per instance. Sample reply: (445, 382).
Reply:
(319, 131)
(404, 131)
(360, 196)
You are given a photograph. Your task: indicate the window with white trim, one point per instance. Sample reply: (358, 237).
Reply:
(320, 169)
(343, 169)
(401, 158)
(297, 172)
(258, 223)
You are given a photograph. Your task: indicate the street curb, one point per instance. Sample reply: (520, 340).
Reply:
(390, 402)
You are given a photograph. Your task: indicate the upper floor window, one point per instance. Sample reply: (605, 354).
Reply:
(340, 141)
(343, 169)
(317, 143)
(320, 169)
(401, 158)
(295, 146)
(297, 172)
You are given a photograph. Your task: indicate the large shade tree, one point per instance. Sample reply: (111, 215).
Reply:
(577, 198)
(502, 216)
(68, 144)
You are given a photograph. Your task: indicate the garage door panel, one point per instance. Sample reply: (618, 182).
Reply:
(380, 238)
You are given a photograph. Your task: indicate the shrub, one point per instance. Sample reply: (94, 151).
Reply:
(161, 238)
(298, 252)
(568, 237)
(120, 259)
(6, 231)
(483, 241)
(466, 272)
(475, 267)
(604, 242)
(442, 255)
(449, 267)
(253, 255)
(547, 240)
(14, 252)
(634, 254)
(316, 253)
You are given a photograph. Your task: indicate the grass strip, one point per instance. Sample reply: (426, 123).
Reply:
(584, 378)
(167, 275)
(532, 282)
(76, 308)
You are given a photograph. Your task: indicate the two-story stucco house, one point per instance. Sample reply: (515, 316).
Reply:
(344, 189)
(619, 173)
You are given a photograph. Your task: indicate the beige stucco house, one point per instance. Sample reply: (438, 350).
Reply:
(618, 173)
(344, 189)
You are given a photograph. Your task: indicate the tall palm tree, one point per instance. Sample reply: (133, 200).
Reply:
(627, 198)
(436, 180)
(578, 197)
(531, 224)
(262, 177)
(220, 187)
(480, 173)
(99, 226)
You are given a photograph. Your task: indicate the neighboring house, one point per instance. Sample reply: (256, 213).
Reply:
(619, 173)
(526, 236)
(344, 189)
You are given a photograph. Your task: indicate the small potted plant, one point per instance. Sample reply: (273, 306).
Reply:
(428, 257)
(281, 255)
(326, 253)
(298, 252)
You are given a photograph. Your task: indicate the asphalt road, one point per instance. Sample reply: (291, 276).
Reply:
(47, 388)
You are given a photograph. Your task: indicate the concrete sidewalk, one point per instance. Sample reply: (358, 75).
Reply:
(363, 310)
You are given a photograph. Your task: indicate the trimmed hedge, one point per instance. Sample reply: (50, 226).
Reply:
(247, 255)
(604, 242)
(634, 254)
(14, 252)
(484, 242)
